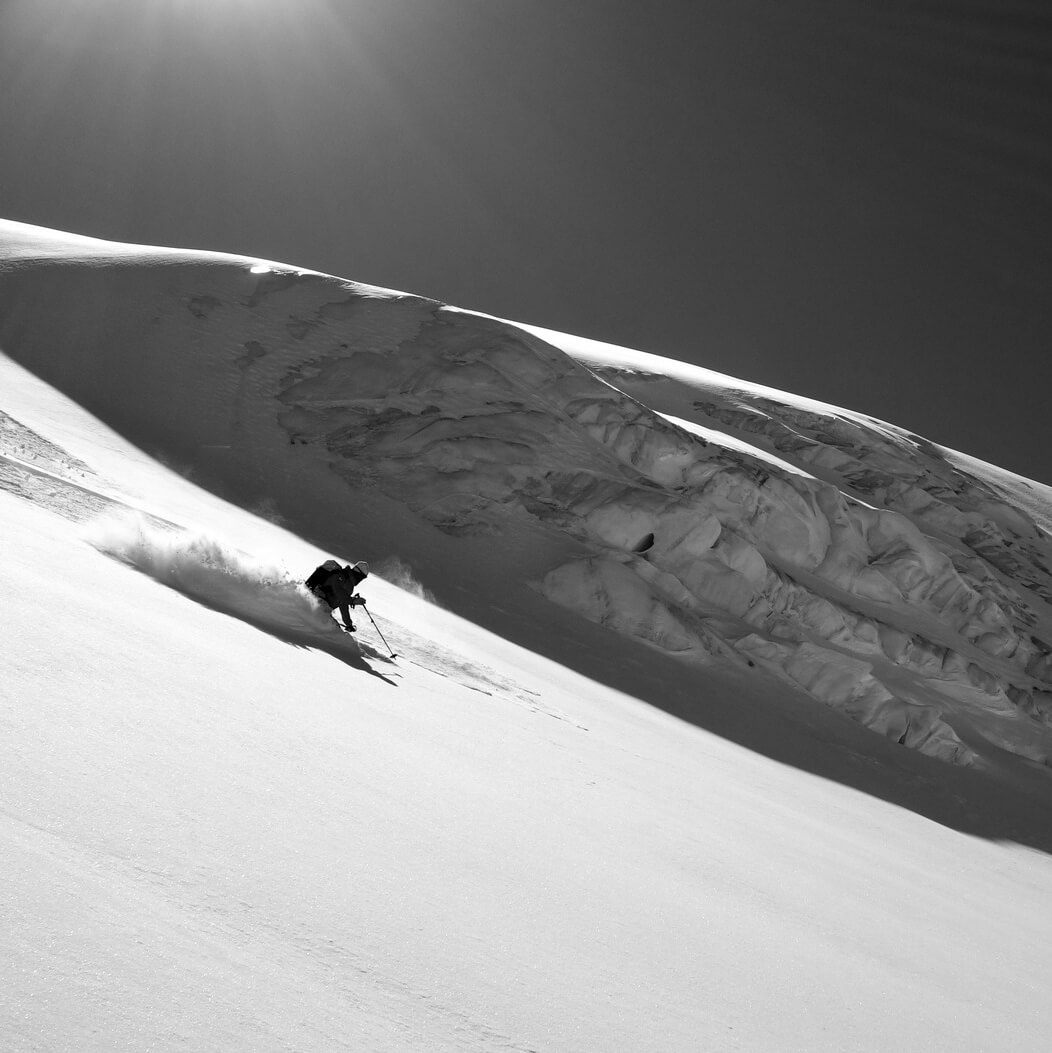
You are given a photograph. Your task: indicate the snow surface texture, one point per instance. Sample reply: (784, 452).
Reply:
(216, 837)
(708, 518)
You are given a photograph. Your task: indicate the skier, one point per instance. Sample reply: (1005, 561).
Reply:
(334, 586)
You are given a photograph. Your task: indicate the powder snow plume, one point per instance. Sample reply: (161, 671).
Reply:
(400, 574)
(211, 572)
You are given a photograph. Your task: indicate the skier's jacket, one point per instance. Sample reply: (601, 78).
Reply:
(334, 584)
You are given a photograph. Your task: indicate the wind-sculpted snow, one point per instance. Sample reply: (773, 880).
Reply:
(712, 520)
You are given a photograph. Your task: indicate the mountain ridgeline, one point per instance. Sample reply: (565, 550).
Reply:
(718, 523)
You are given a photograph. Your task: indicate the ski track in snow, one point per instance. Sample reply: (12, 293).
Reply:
(470, 674)
(39, 470)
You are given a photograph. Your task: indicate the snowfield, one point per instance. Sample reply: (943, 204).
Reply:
(716, 719)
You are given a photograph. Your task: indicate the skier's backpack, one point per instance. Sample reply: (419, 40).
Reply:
(321, 573)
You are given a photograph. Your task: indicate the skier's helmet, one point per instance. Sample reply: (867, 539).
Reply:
(362, 568)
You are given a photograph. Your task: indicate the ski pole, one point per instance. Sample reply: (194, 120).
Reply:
(377, 628)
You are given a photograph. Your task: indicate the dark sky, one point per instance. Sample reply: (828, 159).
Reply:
(848, 199)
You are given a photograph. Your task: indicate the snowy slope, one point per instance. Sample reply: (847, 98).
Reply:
(225, 826)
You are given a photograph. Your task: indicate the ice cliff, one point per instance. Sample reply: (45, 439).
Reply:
(716, 521)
